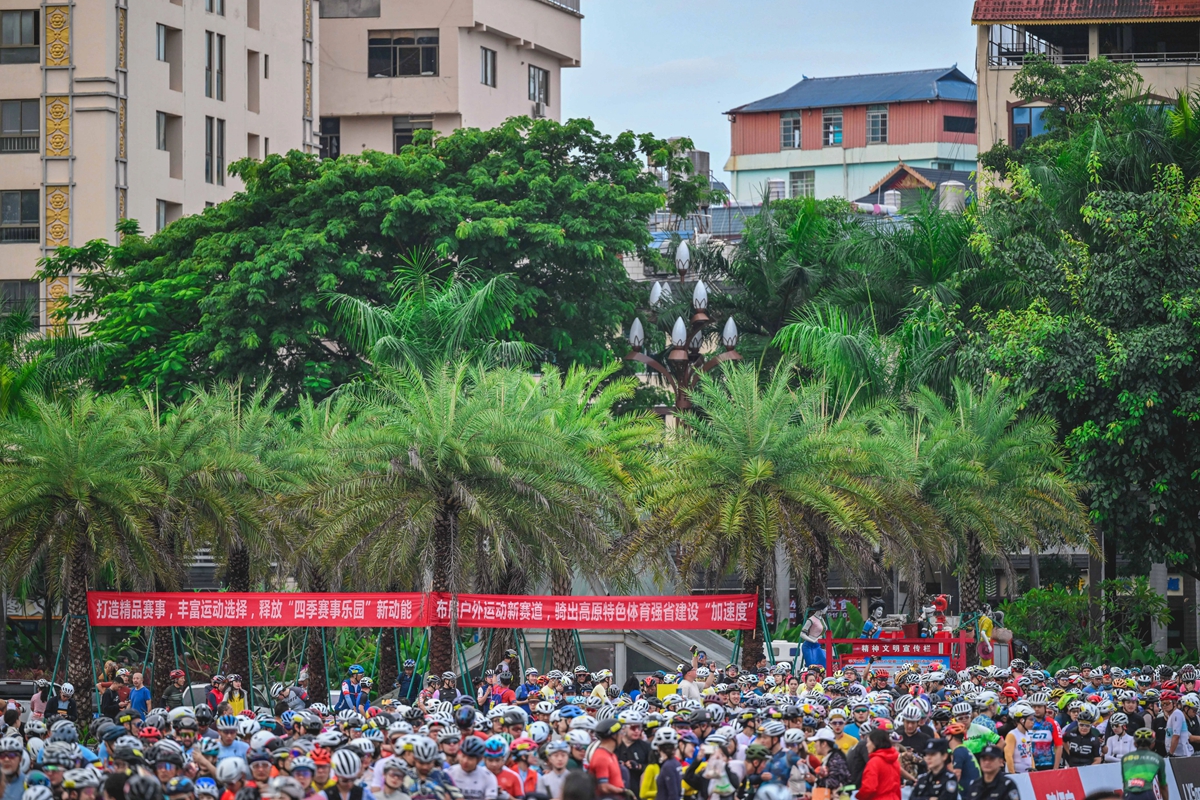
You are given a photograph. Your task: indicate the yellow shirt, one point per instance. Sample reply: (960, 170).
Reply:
(846, 742)
(649, 788)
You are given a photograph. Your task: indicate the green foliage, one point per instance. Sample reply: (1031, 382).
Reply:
(1055, 624)
(238, 292)
(1077, 94)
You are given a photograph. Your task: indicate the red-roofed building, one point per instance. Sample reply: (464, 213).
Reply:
(1162, 37)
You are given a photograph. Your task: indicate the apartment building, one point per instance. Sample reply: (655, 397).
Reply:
(839, 136)
(391, 67)
(120, 109)
(1162, 37)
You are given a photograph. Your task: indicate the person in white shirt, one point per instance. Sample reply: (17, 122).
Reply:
(1179, 743)
(1118, 742)
(557, 753)
(688, 688)
(472, 780)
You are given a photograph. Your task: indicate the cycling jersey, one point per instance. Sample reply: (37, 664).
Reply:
(477, 785)
(1045, 736)
(1081, 749)
(1143, 771)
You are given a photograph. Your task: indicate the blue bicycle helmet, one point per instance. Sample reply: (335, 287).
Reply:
(495, 747)
(287, 717)
(474, 747)
(356, 669)
(409, 663)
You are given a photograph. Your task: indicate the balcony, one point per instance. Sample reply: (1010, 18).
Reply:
(17, 143)
(19, 233)
(565, 5)
(1148, 43)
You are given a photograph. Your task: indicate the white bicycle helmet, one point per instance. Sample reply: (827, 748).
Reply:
(665, 736)
(247, 727)
(424, 750)
(912, 713)
(579, 738)
(232, 769)
(793, 737)
(346, 763)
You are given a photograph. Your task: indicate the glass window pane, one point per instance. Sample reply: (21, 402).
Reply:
(10, 208)
(1021, 115)
(27, 26)
(29, 208)
(379, 62)
(1038, 127)
(10, 27)
(429, 61)
(408, 61)
(30, 115)
(10, 116)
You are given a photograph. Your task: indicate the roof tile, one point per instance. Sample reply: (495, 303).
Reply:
(947, 83)
(992, 11)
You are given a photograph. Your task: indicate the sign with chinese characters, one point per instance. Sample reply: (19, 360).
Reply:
(707, 612)
(894, 653)
(181, 609)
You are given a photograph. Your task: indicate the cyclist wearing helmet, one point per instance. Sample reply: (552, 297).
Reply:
(495, 758)
(634, 752)
(173, 694)
(351, 697)
(347, 768)
(62, 706)
(603, 765)
(1144, 772)
(231, 746)
(216, 693)
(409, 683)
(529, 690)
(1119, 742)
(1081, 741)
(1018, 744)
(473, 780)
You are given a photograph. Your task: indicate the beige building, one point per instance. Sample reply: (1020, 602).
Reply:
(389, 67)
(135, 108)
(1162, 38)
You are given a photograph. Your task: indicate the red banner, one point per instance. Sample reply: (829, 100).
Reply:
(696, 612)
(254, 610)
(1057, 784)
(389, 610)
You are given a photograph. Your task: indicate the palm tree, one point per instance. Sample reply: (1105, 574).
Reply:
(442, 312)
(996, 477)
(755, 466)
(76, 489)
(460, 473)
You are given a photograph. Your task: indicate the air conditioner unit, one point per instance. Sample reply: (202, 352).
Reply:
(539, 110)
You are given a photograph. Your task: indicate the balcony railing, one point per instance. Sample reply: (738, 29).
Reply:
(18, 233)
(1154, 58)
(566, 5)
(18, 143)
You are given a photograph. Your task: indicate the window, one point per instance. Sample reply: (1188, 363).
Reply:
(220, 152)
(331, 137)
(266, 146)
(19, 126)
(220, 66)
(19, 296)
(209, 55)
(395, 54)
(348, 9)
(403, 127)
(877, 119)
(831, 127)
(209, 133)
(253, 12)
(539, 85)
(160, 49)
(958, 124)
(215, 6)
(803, 183)
(789, 130)
(266, 66)
(169, 49)
(160, 131)
(487, 67)
(1026, 122)
(19, 216)
(19, 37)
(947, 166)
(160, 214)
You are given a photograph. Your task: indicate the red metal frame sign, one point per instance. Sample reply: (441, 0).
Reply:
(416, 610)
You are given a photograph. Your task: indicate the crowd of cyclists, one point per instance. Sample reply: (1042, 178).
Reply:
(704, 731)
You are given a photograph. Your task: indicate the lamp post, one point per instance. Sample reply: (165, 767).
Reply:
(682, 363)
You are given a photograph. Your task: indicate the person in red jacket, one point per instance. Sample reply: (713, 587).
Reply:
(881, 777)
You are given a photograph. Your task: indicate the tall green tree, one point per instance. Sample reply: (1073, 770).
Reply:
(461, 472)
(996, 477)
(76, 491)
(760, 463)
(237, 293)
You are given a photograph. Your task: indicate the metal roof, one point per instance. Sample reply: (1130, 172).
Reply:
(1079, 11)
(929, 179)
(947, 83)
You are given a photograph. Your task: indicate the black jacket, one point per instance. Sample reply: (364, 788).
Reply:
(1000, 789)
(941, 785)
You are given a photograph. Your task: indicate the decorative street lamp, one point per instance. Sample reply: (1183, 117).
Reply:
(682, 364)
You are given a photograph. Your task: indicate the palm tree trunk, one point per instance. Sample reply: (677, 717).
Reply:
(512, 582)
(968, 581)
(752, 640)
(237, 578)
(818, 570)
(441, 638)
(164, 662)
(562, 644)
(387, 655)
(318, 687)
(79, 654)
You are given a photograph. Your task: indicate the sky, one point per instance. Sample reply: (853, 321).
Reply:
(674, 67)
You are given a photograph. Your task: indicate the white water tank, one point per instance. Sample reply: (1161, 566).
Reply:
(892, 198)
(952, 196)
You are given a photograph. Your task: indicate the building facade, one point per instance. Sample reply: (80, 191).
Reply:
(837, 137)
(1162, 38)
(115, 110)
(391, 67)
